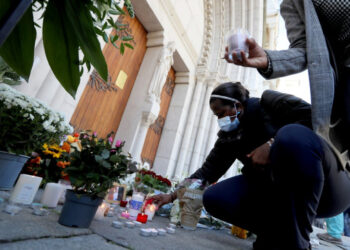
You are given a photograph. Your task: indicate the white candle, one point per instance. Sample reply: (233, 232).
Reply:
(170, 230)
(25, 189)
(161, 231)
(137, 223)
(171, 225)
(129, 224)
(52, 194)
(117, 224)
(150, 210)
(135, 204)
(154, 232)
(100, 213)
(145, 232)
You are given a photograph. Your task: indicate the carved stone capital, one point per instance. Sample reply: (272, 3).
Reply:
(148, 118)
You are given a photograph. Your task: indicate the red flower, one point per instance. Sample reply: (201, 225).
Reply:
(76, 135)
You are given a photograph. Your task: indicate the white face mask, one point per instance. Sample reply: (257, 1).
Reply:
(227, 125)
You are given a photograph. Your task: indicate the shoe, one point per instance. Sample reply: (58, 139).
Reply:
(329, 238)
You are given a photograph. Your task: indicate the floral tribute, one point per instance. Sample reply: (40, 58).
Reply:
(50, 161)
(96, 164)
(147, 181)
(26, 123)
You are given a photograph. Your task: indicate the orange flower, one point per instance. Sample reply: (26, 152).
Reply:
(66, 147)
(63, 164)
(36, 160)
(63, 174)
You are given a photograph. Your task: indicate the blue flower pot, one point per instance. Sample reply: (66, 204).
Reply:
(10, 167)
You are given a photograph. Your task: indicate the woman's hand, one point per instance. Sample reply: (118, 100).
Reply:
(162, 199)
(257, 56)
(260, 155)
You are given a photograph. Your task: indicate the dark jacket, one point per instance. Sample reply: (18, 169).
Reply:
(261, 120)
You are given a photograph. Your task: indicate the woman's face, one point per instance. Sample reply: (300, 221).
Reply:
(221, 110)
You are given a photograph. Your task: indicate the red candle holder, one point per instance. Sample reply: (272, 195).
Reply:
(123, 203)
(142, 218)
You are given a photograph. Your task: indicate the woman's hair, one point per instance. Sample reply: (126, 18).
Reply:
(232, 90)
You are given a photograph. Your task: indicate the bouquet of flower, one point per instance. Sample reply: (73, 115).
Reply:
(96, 164)
(50, 161)
(26, 123)
(147, 181)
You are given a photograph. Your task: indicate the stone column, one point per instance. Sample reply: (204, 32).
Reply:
(140, 134)
(195, 163)
(185, 146)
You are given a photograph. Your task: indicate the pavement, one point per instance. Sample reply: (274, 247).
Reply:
(27, 231)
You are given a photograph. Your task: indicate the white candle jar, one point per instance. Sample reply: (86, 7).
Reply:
(25, 189)
(52, 194)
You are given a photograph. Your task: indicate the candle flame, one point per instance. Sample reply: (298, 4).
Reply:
(152, 208)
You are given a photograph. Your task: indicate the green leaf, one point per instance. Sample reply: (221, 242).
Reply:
(119, 9)
(129, 45)
(99, 159)
(18, 49)
(106, 164)
(114, 158)
(81, 21)
(127, 38)
(122, 48)
(61, 47)
(105, 154)
(105, 37)
(115, 38)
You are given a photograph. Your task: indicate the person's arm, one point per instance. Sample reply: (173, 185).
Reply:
(286, 109)
(292, 60)
(216, 164)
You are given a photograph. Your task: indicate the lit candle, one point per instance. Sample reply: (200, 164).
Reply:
(125, 214)
(135, 204)
(150, 210)
(25, 189)
(52, 194)
(142, 218)
(100, 213)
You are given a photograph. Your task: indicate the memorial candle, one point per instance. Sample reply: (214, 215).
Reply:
(142, 218)
(25, 189)
(52, 194)
(150, 210)
(125, 214)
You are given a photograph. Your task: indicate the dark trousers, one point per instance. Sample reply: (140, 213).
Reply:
(306, 183)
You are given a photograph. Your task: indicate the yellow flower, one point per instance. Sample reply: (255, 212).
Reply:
(70, 139)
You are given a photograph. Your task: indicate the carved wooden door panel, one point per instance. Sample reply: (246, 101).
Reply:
(154, 133)
(102, 111)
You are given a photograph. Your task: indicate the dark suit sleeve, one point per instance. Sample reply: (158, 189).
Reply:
(286, 109)
(220, 158)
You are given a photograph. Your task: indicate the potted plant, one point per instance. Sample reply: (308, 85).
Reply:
(25, 125)
(92, 171)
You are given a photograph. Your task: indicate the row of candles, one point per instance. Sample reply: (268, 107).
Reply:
(28, 185)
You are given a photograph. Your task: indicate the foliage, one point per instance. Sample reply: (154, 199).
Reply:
(49, 162)
(97, 165)
(68, 28)
(8, 75)
(26, 123)
(149, 180)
